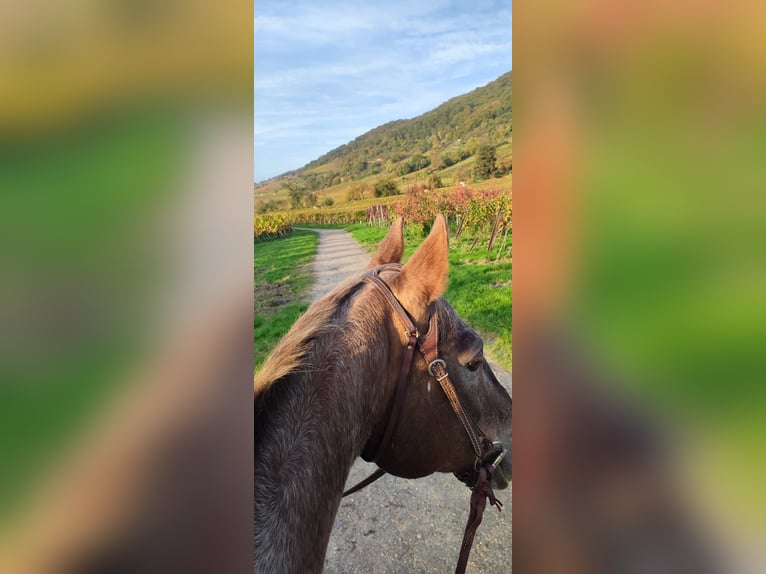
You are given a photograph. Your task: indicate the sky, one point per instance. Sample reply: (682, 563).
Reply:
(329, 71)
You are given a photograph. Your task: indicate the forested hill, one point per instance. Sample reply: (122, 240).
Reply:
(483, 114)
(437, 139)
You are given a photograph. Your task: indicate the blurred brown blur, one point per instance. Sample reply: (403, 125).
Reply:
(639, 317)
(126, 282)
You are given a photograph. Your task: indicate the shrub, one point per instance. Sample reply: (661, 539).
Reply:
(434, 181)
(384, 187)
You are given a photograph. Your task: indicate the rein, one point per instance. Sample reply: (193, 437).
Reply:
(488, 454)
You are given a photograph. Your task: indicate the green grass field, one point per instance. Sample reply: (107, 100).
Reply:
(480, 287)
(282, 277)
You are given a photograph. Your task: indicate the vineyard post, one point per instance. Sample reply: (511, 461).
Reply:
(460, 225)
(494, 228)
(502, 246)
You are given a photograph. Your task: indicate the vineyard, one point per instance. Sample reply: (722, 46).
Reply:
(477, 211)
(480, 212)
(276, 224)
(272, 225)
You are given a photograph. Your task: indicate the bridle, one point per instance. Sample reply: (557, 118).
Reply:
(489, 454)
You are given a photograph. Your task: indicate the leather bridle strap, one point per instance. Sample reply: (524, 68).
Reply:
(366, 482)
(429, 347)
(410, 329)
(479, 494)
(411, 332)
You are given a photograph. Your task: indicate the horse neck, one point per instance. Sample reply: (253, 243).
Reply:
(309, 429)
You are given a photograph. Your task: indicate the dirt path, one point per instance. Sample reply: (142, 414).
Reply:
(397, 525)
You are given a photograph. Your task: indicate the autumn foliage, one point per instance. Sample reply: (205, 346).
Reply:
(473, 209)
(271, 225)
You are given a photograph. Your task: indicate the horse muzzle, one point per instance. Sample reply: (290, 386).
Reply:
(502, 477)
(498, 461)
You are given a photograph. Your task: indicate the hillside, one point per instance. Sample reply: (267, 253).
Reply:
(442, 144)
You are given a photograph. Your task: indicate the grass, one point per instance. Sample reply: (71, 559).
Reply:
(322, 225)
(282, 277)
(480, 287)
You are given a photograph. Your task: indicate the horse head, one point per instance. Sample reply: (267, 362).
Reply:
(429, 435)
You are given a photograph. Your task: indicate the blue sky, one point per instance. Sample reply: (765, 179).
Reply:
(328, 71)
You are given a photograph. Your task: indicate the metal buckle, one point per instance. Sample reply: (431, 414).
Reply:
(434, 362)
(500, 456)
(412, 338)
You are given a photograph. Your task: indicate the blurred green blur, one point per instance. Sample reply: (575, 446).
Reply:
(74, 211)
(125, 231)
(670, 288)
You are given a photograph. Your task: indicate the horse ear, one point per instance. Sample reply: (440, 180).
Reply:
(391, 248)
(424, 278)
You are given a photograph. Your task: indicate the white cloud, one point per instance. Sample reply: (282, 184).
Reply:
(466, 51)
(331, 73)
(269, 24)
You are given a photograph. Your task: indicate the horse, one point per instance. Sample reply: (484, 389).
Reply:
(359, 374)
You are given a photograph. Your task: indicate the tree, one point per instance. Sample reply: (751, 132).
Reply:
(461, 174)
(433, 181)
(504, 168)
(485, 167)
(299, 195)
(472, 145)
(266, 206)
(357, 191)
(296, 198)
(455, 155)
(385, 186)
(310, 199)
(414, 163)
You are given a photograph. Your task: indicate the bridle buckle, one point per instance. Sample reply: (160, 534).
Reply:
(500, 455)
(436, 362)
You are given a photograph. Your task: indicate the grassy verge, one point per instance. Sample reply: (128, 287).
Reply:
(282, 277)
(322, 225)
(479, 285)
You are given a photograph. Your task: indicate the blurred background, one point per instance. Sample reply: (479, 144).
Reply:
(640, 280)
(126, 283)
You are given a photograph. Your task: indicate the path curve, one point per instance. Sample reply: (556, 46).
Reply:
(397, 525)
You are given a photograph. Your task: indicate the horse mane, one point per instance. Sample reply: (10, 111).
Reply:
(290, 353)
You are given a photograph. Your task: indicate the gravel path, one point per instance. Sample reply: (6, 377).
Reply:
(397, 525)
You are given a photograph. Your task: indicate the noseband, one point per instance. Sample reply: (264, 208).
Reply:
(488, 454)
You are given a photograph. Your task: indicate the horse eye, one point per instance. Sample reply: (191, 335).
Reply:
(474, 365)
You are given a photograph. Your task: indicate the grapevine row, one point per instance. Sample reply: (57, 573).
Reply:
(271, 225)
